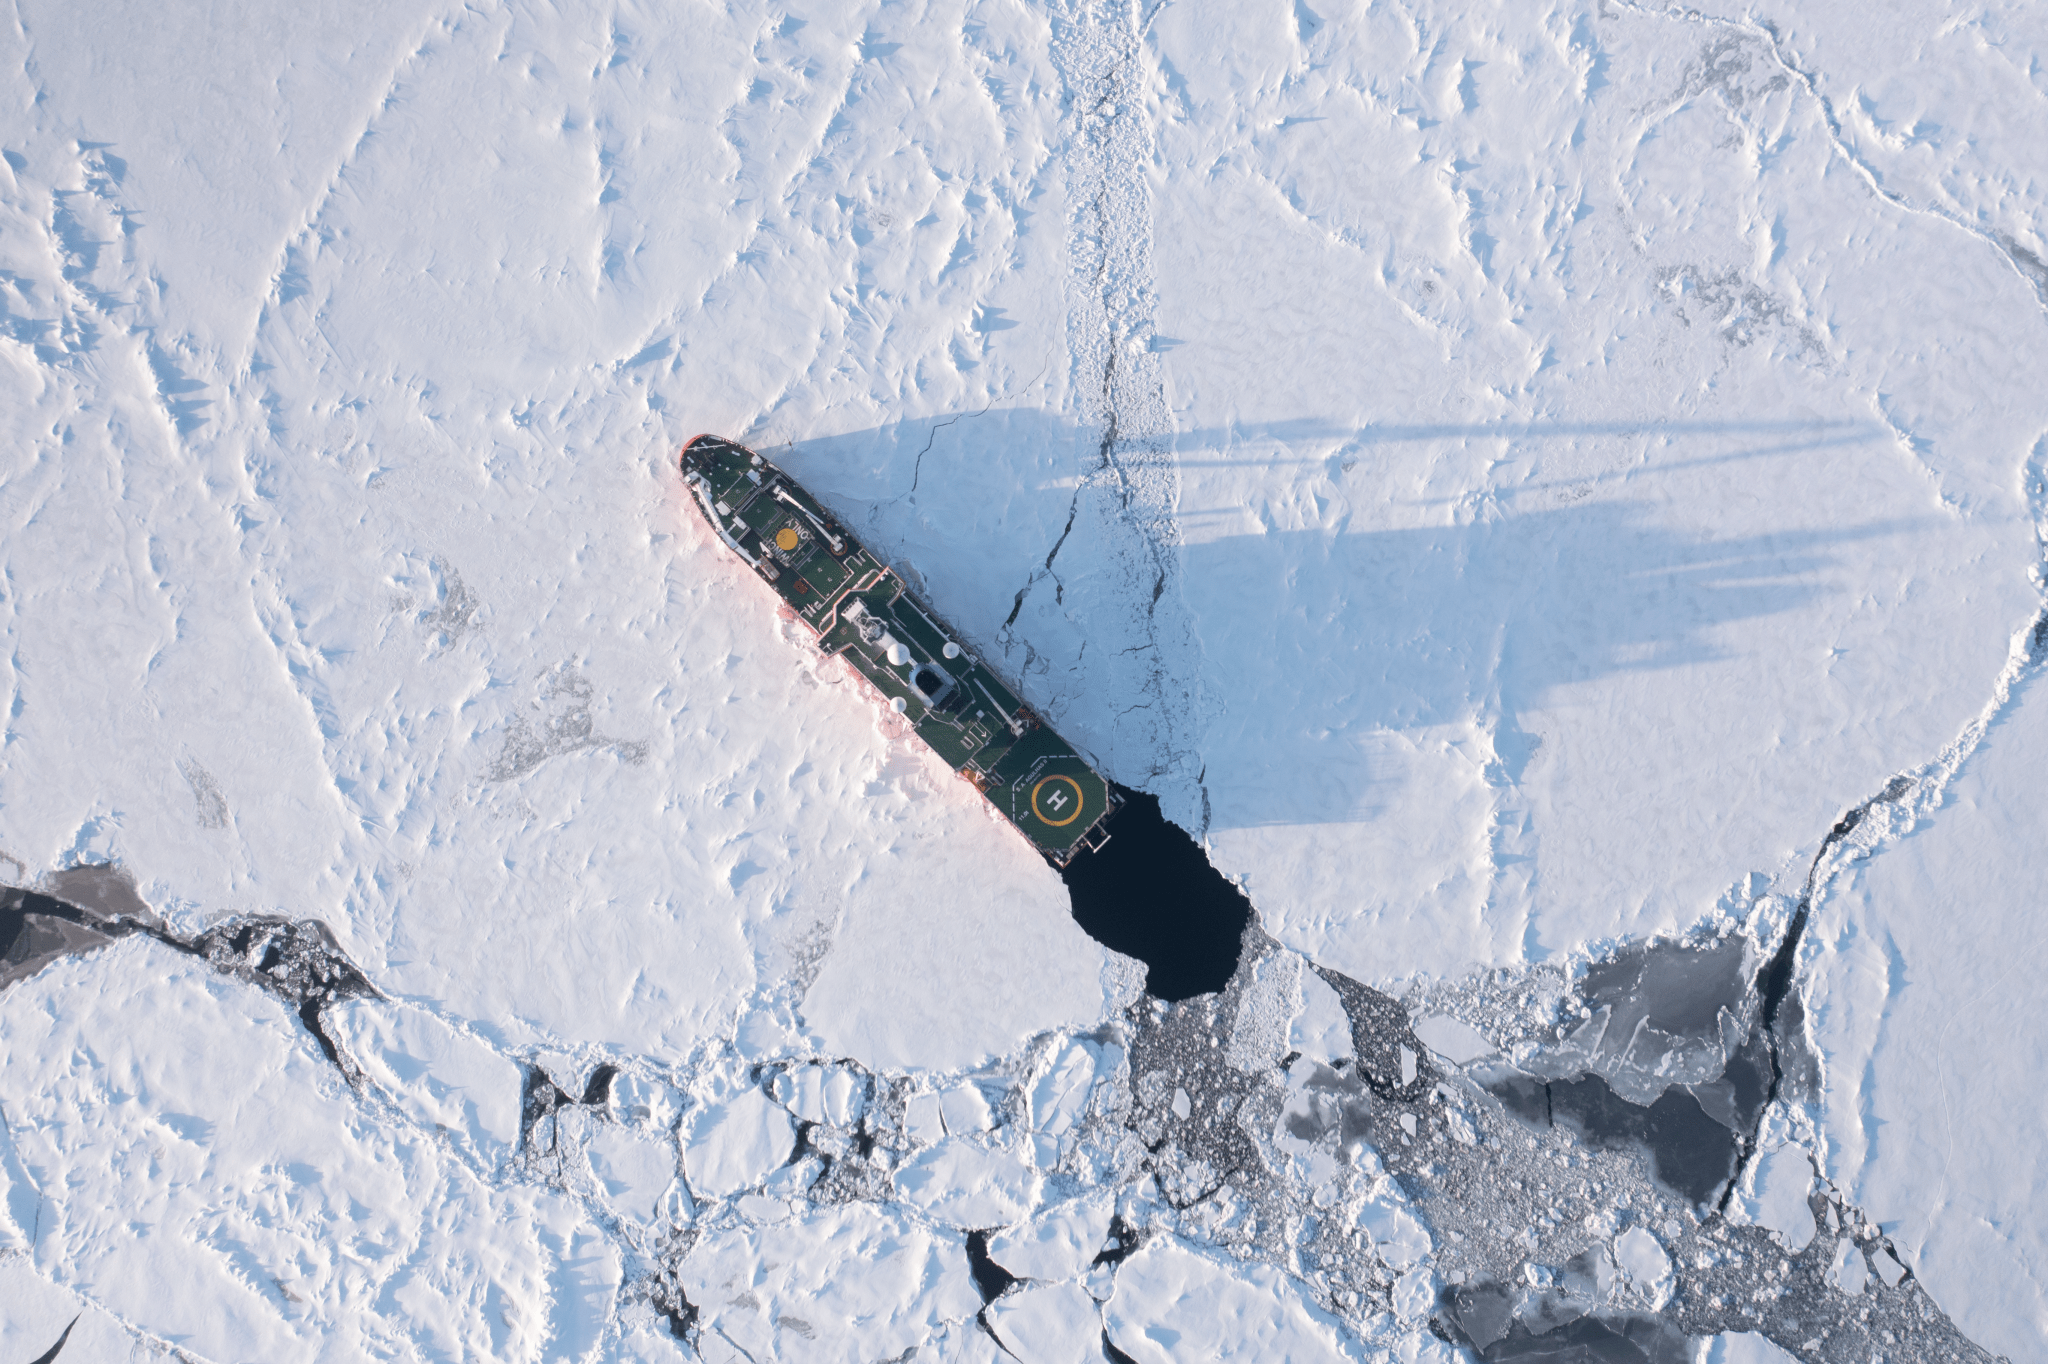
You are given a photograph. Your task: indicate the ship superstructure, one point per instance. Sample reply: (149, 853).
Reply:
(860, 610)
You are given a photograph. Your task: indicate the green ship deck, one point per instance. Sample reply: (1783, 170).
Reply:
(861, 611)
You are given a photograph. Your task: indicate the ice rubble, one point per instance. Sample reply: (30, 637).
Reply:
(1376, 1191)
(1608, 445)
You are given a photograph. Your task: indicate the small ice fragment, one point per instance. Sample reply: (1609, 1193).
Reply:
(1408, 1123)
(1453, 1039)
(1781, 1183)
(1408, 1060)
(1413, 1294)
(1321, 1030)
(1848, 1271)
(844, 1097)
(966, 1110)
(1060, 1097)
(802, 1092)
(1888, 1267)
(1637, 1252)
(1182, 1105)
(1398, 1237)
(924, 1119)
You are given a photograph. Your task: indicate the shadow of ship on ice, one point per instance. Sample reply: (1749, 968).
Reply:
(1340, 632)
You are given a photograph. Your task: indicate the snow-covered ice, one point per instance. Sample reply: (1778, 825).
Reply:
(434, 1073)
(736, 1143)
(1743, 1347)
(1929, 1002)
(970, 1185)
(236, 1197)
(854, 1283)
(1059, 1324)
(1059, 1243)
(1543, 495)
(635, 1170)
(1169, 1298)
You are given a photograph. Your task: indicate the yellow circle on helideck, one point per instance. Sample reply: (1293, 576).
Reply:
(1039, 790)
(786, 539)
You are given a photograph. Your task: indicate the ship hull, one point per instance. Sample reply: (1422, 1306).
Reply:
(857, 608)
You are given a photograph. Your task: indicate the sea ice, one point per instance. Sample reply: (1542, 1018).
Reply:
(283, 1218)
(1056, 1323)
(1744, 1347)
(1453, 1039)
(791, 1291)
(969, 1185)
(1927, 998)
(1500, 479)
(1060, 1095)
(1779, 1182)
(436, 1074)
(633, 1171)
(1171, 1301)
(1320, 1030)
(1057, 1244)
(734, 1144)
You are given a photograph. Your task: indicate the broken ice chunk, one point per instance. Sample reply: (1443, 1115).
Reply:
(967, 1184)
(966, 1109)
(1061, 1095)
(1848, 1272)
(1744, 1347)
(845, 1096)
(1182, 1105)
(1887, 1266)
(19, 1198)
(802, 1092)
(1453, 1039)
(1058, 1324)
(782, 1291)
(1413, 1294)
(1642, 1258)
(646, 1102)
(1059, 1244)
(633, 1171)
(1321, 1029)
(735, 1144)
(924, 1119)
(1780, 1182)
(1591, 1273)
(436, 1074)
(766, 1033)
(1396, 1234)
(762, 1210)
(1483, 1311)
(1660, 1013)
(1172, 1304)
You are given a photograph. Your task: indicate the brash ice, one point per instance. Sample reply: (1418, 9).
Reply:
(860, 610)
